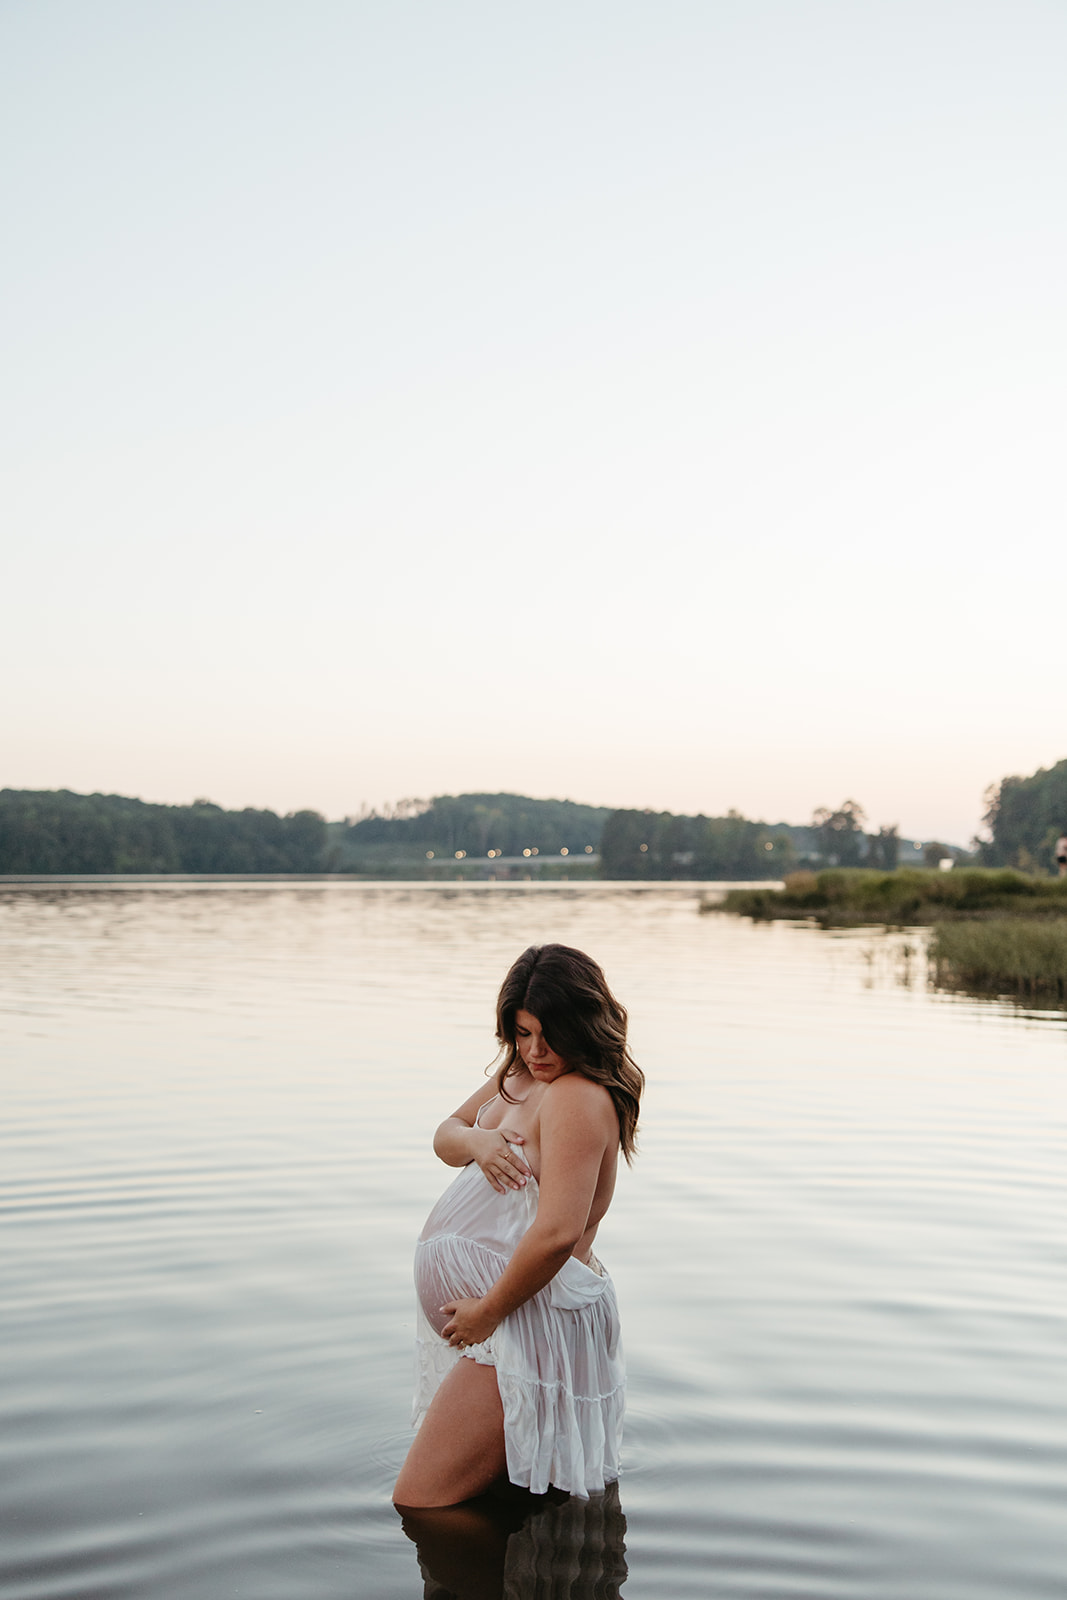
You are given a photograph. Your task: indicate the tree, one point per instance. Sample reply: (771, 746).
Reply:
(621, 852)
(661, 845)
(883, 849)
(840, 833)
(1025, 817)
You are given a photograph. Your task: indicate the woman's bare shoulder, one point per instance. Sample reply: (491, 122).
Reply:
(575, 1095)
(576, 1083)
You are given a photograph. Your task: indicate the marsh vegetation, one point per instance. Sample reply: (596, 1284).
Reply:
(853, 897)
(999, 931)
(1029, 957)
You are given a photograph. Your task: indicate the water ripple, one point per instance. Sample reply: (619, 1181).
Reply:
(840, 1257)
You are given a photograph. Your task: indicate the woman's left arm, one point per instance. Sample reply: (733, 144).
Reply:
(578, 1124)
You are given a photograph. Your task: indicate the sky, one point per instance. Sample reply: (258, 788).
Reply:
(649, 404)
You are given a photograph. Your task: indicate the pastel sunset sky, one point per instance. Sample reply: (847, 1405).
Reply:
(652, 404)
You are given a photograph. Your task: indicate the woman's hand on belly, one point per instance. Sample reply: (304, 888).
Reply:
(468, 1322)
(503, 1167)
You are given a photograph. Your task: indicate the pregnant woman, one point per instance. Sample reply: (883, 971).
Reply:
(520, 1365)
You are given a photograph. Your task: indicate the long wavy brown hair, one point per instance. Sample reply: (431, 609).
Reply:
(581, 1020)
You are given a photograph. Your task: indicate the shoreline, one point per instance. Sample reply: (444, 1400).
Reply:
(147, 879)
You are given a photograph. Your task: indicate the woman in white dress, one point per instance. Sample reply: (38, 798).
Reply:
(520, 1367)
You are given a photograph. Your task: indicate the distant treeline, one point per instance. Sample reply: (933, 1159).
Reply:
(478, 823)
(646, 844)
(57, 831)
(62, 832)
(630, 844)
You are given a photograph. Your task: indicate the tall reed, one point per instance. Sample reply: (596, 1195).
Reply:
(1029, 957)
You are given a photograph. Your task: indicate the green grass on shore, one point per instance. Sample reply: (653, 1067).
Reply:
(1028, 957)
(852, 896)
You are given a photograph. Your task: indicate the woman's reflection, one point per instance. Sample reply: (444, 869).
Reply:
(511, 1545)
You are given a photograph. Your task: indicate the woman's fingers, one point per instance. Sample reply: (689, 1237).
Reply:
(512, 1161)
(502, 1166)
(512, 1174)
(449, 1330)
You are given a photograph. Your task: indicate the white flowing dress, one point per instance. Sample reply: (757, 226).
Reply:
(558, 1356)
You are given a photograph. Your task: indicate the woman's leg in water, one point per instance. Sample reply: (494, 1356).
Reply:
(459, 1449)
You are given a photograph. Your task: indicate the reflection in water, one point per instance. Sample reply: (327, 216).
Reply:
(511, 1545)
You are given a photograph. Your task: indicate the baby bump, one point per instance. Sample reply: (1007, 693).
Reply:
(451, 1267)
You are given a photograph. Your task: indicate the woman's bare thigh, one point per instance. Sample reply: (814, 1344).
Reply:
(459, 1449)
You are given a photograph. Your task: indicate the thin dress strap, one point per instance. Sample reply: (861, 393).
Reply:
(483, 1107)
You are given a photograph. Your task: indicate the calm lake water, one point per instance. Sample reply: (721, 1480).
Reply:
(840, 1256)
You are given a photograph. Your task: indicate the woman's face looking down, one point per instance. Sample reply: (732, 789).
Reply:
(541, 1062)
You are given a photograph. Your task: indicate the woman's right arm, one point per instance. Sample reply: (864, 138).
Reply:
(458, 1142)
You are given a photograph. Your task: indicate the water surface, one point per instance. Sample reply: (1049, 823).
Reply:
(840, 1256)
